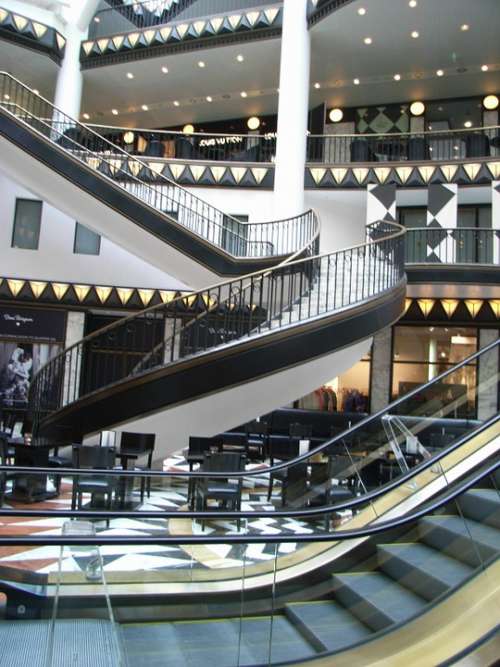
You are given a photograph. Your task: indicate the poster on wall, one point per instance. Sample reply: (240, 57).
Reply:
(29, 338)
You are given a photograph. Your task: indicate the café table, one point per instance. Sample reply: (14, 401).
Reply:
(30, 488)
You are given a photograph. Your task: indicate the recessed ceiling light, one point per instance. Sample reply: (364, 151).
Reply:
(176, 103)
(145, 107)
(240, 57)
(415, 34)
(97, 19)
(455, 148)
(164, 69)
(317, 85)
(484, 68)
(243, 93)
(361, 11)
(86, 116)
(464, 27)
(468, 123)
(208, 98)
(356, 82)
(413, 3)
(439, 72)
(201, 63)
(114, 112)
(368, 40)
(397, 77)
(130, 75)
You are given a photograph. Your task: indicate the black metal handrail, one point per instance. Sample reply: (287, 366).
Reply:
(174, 203)
(457, 489)
(452, 245)
(235, 310)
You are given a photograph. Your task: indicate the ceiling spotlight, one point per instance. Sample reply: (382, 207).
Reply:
(464, 27)
(468, 123)
(243, 93)
(490, 102)
(240, 57)
(336, 115)
(201, 63)
(439, 72)
(397, 77)
(412, 3)
(130, 75)
(145, 107)
(484, 68)
(114, 112)
(164, 69)
(368, 40)
(417, 108)
(415, 34)
(208, 98)
(317, 85)
(176, 103)
(361, 11)
(86, 116)
(253, 123)
(128, 137)
(188, 129)
(356, 82)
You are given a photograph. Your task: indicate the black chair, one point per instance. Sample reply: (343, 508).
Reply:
(257, 437)
(294, 487)
(322, 492)
(5, 459)
(198, 448)
(221, 489)
(141, 445)
(61, 458)
(281, 451)
(91, 457)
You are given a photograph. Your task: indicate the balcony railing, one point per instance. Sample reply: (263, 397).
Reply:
(453, 145)
(452, 245)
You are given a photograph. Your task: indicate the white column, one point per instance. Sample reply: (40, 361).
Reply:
(495, 219)
(292, 111)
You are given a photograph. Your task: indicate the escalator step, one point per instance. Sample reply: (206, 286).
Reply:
(482, 505)
(326, 624)
(375, 599)
(421, 569)
(468, 541)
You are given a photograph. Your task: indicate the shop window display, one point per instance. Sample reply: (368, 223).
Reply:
(420, 353)
(348, 392)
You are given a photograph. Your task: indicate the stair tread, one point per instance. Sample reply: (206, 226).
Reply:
(429, 560)
(333, 625)
(491, 495)
(382, 592)
(465, 527)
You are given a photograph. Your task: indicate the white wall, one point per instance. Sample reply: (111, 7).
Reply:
(55, 260)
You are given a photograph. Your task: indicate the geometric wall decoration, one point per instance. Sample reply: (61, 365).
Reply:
(31, 33)
(441, 214)
(381, 203)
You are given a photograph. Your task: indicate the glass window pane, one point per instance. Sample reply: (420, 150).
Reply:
(87, 242)
(26, 233)
(440, 345)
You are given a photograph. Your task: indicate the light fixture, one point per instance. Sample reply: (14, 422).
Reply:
(240, 57)
(164, 69)
(440, 72)
(426, 305)
(130, 75)
(37, 287)
(86, 116)
(208, 98)
(144, 107)
(484, 68)
(408, 303)
(361, 11)
(188, 129)
(114, 112)
(6, 97)
(417, 108)
(59, 289)
(176, 103)
(356, 82)
(468, 123)
(317, 85)
(490, 102)
(412, 3)
(449, 306)
(415, 34)
(201, 63)
(128, 137)
(464, 27)
(244, 93)
(336, 115)
(495, 307)
(103, 293)
(473, 306)
(81, 291)
(397, 77)
(368, 40)
(253, 123)
(97, 19)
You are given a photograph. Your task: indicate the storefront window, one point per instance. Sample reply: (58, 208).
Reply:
(348, 392)
(420, 353)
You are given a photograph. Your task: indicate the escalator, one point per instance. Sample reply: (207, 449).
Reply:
(97, 183)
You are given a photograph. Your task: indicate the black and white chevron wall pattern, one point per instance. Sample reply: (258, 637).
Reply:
(441, 215)
(381, 203)
(495, 218)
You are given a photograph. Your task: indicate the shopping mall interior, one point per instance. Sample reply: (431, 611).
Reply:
(249, 333)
